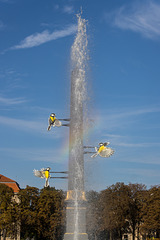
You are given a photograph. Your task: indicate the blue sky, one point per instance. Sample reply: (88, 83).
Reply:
(123, 87)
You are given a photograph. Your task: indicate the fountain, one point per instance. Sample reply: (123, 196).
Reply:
(75, 199)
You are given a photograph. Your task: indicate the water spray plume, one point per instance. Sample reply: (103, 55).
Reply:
(76, 211)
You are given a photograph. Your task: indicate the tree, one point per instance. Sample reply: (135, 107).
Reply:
(151, 213)
(121, 208)
(7, 214)
(135, 200)
(115, 206)
(41, 213)
(50, 214)
(28, 211)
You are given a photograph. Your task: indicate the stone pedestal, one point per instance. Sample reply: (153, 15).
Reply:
(75, 211)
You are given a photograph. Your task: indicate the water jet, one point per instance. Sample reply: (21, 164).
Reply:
(75, 199)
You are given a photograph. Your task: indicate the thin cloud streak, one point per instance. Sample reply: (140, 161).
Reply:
(143, 18)
(11, 101)
(37, 39)
(128, 119)
(21, 124)
(44, 155)
(68, 9)
(140, 145)
(123, 116)
(122, 141)
(33, 127)
(137, 112)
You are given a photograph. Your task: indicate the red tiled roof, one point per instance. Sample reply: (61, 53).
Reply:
(10, 183)
(5, 179)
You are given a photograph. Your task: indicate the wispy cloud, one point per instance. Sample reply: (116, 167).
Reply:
(126, 128)
(123, 118)
(30, 126)
(143, 18)
(122, 141)
(20, 123)
(37, 39)
(140, 145)
(33, 154)
(68, 9)
(10, 79)
(11, 101)
(123, 113)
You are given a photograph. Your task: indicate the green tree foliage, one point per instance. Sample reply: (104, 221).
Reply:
(41, 213)
(8, 209)
(28, 211)
(151, 213)
(120, 207)
(50, 214)
(135, 203)
(116, 210)
(115, 206)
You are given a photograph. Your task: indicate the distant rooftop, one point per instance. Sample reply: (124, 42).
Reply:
(10, 183)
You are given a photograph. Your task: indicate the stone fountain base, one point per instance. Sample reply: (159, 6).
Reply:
(79, 236)
(75, 211)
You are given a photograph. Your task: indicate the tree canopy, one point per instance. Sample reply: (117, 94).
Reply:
(151, 212)
(117, 210)
(41, 213)
(7, 211)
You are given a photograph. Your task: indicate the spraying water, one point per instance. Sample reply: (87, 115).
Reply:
(79, 57)
(76, 223)
(78, 94)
